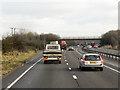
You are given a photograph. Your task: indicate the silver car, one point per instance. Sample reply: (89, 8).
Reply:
(91, 61)
(89, 46)
(71, 48)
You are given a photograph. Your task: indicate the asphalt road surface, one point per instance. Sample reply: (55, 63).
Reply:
(36, 74)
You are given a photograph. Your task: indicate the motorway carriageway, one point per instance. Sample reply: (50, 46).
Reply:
(36, 74)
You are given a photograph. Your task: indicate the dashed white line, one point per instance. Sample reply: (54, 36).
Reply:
(65, 60)
(66, 63)
(75, 77)
(8, 87)
(69, 68)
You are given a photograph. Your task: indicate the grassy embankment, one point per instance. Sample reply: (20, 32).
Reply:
(13, 60)
(110, 47)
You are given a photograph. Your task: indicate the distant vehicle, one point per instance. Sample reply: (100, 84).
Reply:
(71, 48)
(95, 46)
(78, 45)
(99, 45)
(63, 45)
(52, 53)
(91, 61)
(54, 42)
(89, 46)
(92, 44)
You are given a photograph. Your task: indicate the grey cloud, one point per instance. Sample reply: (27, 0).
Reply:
(76, 17)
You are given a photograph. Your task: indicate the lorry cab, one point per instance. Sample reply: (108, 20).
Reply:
(52, 53)
(53, 47)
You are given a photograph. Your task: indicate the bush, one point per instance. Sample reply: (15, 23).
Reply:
(24, 42)
(111, 38)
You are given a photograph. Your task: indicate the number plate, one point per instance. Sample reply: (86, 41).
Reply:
(92, 62)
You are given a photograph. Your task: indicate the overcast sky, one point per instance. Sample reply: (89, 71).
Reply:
(68, 18)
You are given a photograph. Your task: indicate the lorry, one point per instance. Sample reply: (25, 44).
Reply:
(52, 52)
(54, 42)
(63, 45)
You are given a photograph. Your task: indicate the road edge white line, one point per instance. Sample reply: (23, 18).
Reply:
(16, 80)
(78, 52)
(75, 77)
(112, 69)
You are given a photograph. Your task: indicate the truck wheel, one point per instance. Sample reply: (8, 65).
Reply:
(79, 67)
(59, 62)
(45, 62)
(101, 69)
(82, 68)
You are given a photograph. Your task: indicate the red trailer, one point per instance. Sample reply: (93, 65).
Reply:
(63, 45)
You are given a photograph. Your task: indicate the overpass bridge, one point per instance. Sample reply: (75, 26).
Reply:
(82, 40)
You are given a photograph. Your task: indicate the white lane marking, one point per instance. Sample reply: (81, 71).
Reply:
(8, 87)
(65, 60)
(78, 52)
(112, 69)
(66, 63)
(75, 77)
(69, 68)
(107, 66)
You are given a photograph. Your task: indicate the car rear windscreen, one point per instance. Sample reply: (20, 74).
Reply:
(52, 47)
(92, 58)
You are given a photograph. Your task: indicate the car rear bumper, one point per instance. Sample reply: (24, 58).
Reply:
(70, 49)
(92, 65)
(52, 59)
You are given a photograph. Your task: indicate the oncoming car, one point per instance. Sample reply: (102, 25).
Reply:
(91, 61)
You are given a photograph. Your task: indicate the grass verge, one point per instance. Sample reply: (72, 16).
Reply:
(13, 60)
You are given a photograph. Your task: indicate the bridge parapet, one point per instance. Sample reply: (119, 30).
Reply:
(82, 40)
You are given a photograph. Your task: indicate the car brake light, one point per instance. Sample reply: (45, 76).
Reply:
(45, 58)
(83, 61)
(101, 59)
(58, 58)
